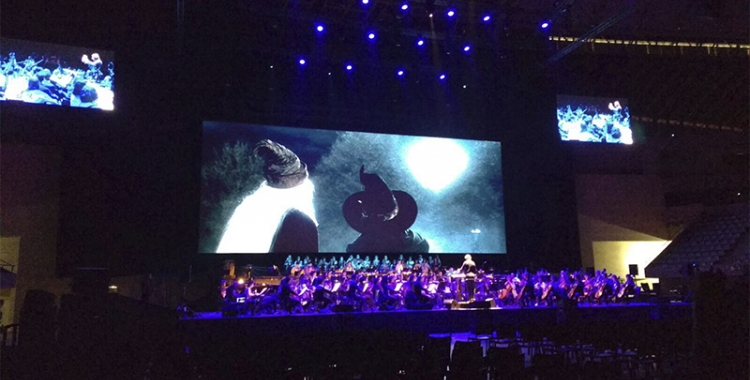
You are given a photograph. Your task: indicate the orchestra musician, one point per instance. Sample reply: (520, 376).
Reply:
(288, 297)
(417, 299)
(628, 288)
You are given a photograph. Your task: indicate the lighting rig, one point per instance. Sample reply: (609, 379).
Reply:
(430, 28)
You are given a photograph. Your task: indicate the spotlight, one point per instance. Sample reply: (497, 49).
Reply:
(420, 42)
(467, 48)
(302, 61)
(319, 28)
(451, 13)
(442, 77)
(371, 36)
(486, 18)
(404, 6)
(430, 15)
(349, 67)
(365, 2)
(400, 73)
(544, 24)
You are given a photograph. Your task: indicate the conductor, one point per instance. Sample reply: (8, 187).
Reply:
(469, 268)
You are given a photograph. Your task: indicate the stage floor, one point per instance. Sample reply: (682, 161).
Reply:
(431, 321)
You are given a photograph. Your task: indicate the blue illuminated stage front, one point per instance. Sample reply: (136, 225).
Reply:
(204, 325)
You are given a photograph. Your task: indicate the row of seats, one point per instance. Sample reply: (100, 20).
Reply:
(704, 243)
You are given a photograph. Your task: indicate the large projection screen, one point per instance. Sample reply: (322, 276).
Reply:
(457, 186)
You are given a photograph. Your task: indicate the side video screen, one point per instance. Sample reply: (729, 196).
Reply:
(601, 120)
(57, 75)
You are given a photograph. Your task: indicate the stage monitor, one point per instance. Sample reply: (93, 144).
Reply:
(57, 75)
(600, 120)
(272, 189)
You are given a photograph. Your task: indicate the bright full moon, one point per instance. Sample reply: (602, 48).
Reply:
(436, 163)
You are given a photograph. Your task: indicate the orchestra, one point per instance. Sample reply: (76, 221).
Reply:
(362, 284)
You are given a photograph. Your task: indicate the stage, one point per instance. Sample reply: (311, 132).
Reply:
(213, 325)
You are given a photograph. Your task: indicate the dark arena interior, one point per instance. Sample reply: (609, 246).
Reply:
(374, 189)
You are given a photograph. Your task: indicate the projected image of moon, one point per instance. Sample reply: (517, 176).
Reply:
(436, 163)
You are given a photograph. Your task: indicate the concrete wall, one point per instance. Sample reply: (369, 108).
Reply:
(619, 208)
(29, 212)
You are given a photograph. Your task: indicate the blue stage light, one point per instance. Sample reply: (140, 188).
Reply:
(467, 48)
(349, 67)
(365, 2)
(486, 18)
(451, 13)
(400, 73)
(371, 36)
(544, 24)
(319, 28)
(302, 61)
(442, 77)
(404, 6)
(420, 42)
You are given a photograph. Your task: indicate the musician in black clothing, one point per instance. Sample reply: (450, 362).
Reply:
(288, 298)
(321, 295)
(417, 299)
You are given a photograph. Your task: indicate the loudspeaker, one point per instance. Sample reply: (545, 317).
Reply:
(633, 270)
(473, 305)
(657, 288)
(481, 304)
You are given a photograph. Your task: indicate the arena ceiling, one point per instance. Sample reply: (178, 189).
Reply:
(683, 62)
(719, 21)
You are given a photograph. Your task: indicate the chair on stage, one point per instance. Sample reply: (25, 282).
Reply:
(505, 336)
(436, 356)
(482, 327)
(534, 341)
(483, 330)
(505, 363)
(551, 366)
(467, 361)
